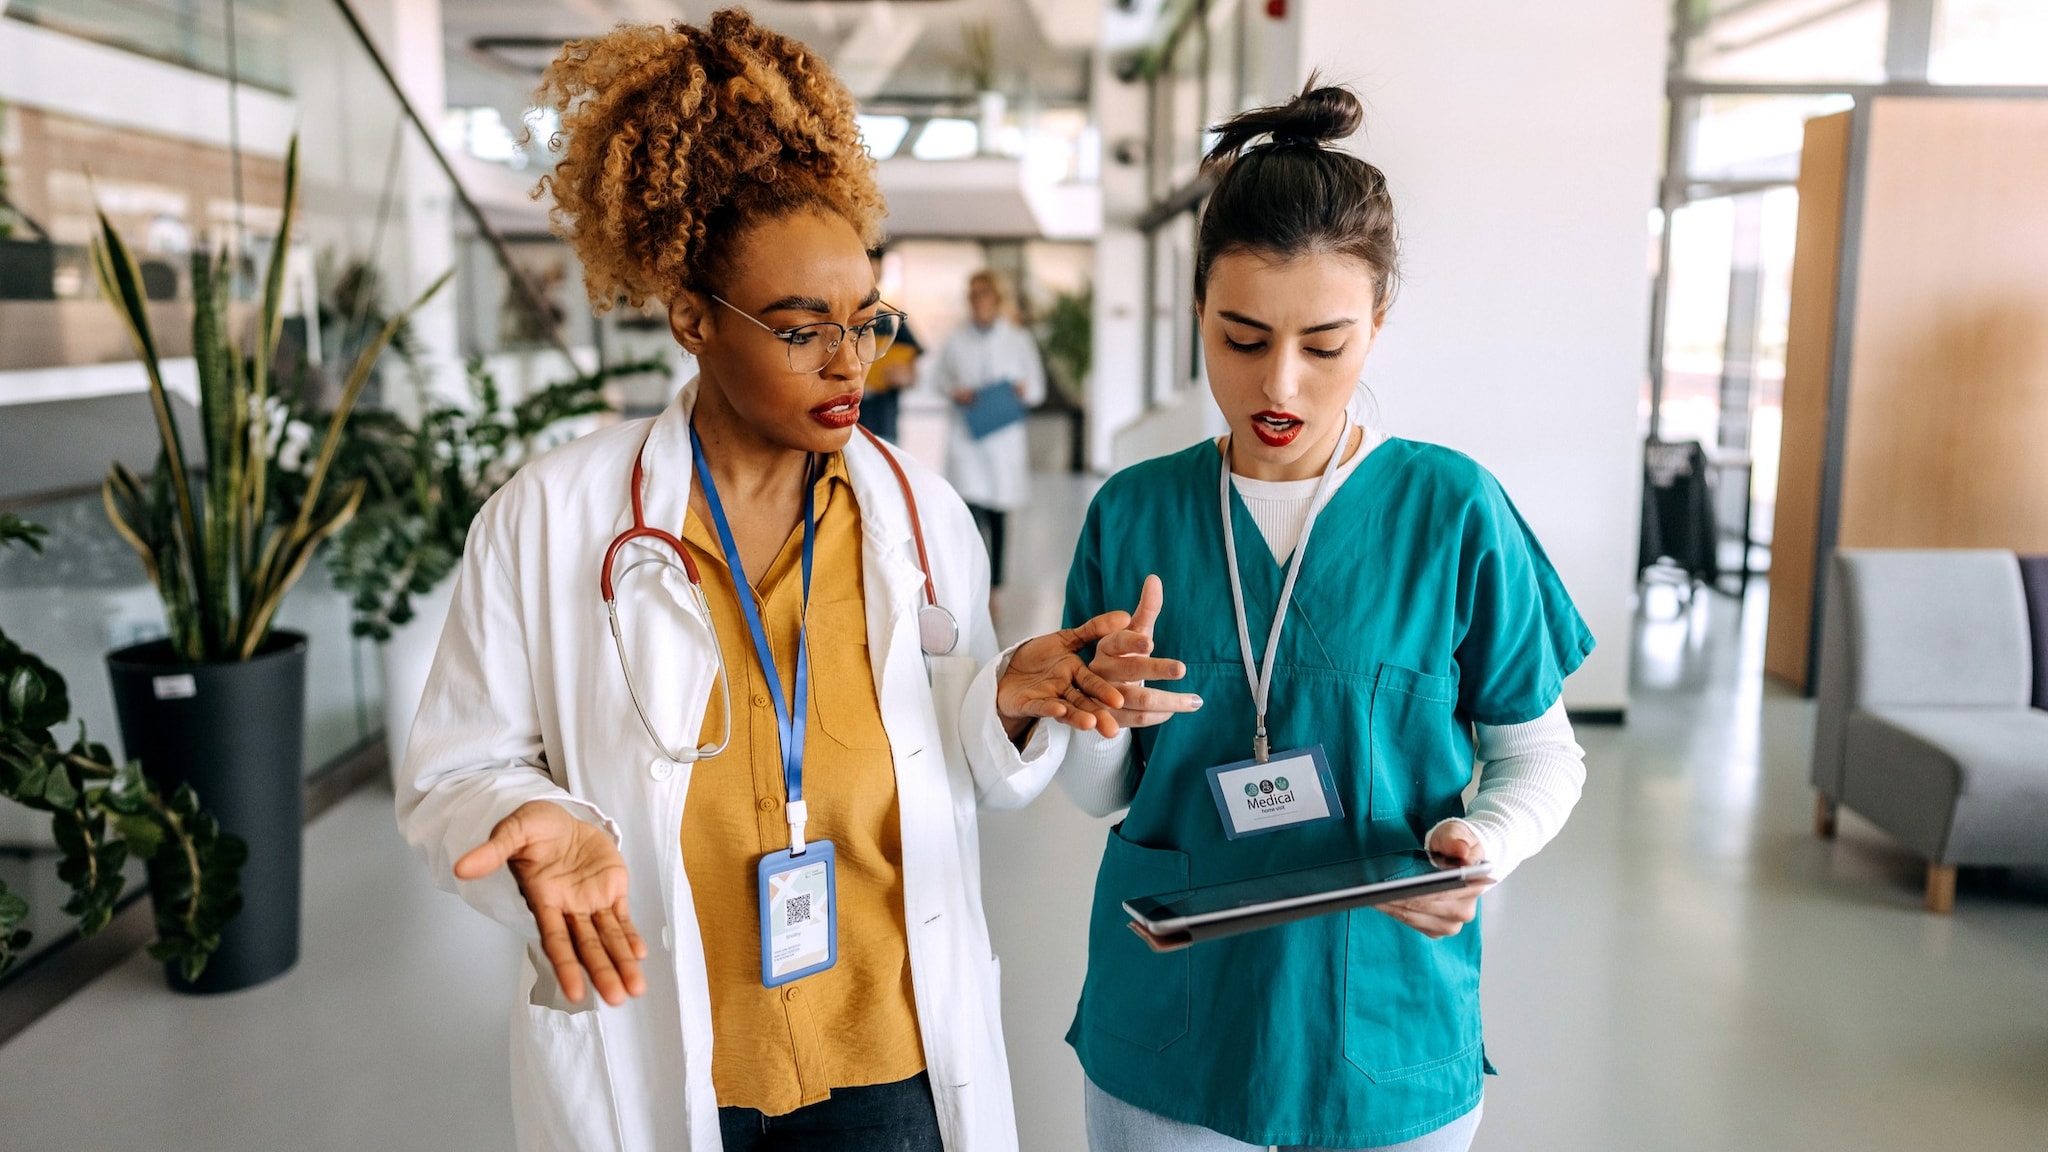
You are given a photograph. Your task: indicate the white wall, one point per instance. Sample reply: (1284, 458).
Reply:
(1521, 143)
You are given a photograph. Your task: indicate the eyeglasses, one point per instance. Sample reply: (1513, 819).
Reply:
(812, 346)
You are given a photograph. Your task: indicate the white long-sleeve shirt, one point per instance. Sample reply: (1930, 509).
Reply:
(1530, 775)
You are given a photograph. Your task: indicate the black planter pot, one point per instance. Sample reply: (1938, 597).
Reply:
(236, 733)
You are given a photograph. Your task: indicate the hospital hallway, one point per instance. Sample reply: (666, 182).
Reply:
(1685, 968)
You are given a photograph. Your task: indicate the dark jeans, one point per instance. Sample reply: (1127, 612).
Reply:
(878, 411)
(895, 1117)
(991, 522)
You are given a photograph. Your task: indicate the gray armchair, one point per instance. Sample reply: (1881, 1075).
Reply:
(1925, 725)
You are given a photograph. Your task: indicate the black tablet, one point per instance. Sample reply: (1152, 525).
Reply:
(1172, 920)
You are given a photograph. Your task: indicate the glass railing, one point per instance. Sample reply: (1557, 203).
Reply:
(136, 125)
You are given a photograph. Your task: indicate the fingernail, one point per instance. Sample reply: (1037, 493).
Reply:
(1198, 701)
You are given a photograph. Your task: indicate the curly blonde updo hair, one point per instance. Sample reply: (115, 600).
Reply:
(674, 139)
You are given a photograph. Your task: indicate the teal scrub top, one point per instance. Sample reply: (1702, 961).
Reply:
(1424, 605)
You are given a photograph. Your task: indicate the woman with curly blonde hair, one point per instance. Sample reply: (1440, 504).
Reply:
(719, 695)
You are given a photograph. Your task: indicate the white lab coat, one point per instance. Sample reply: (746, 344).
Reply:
(995, 471)
(526, 701)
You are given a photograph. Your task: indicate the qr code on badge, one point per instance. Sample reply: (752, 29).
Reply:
(797, 910)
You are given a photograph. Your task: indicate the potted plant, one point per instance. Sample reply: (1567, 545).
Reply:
(28, 267)
(102, 812)
(1067, 333)
(220, 704)
(977, 66)
(1069, 338)
(424, 486)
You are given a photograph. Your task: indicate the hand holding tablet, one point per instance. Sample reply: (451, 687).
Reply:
(1174, 920)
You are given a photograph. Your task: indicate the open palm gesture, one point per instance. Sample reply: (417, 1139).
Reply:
(574, 881)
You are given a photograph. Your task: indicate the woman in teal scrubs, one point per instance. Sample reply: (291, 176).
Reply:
(1420, 627)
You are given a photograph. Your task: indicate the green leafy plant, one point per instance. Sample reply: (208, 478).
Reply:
(6, 233)
(1069, 337)
(427, 483)
(216, 547)
(102, 813)
(978, 59)
(353, 312)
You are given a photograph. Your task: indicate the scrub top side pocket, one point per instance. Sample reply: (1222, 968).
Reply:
(1414, 739)
(1425, 1022)
(1132, 992)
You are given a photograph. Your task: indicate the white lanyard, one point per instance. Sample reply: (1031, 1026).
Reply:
(1261, 679)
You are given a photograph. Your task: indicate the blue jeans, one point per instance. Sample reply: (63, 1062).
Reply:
(1114, 1126)
(895, 1117)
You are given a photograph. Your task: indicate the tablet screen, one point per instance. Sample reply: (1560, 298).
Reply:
(1326, 879)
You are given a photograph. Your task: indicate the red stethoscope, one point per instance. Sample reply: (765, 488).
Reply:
(938, 631)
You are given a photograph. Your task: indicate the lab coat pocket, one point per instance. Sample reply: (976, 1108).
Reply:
(1411, 1004)
(1132, 992)
(561, 1086)
(1412, 727)
(950, 677)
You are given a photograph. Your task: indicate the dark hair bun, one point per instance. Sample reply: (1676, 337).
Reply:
(1319, 115)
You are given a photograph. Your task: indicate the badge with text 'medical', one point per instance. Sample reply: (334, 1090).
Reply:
(1288, 790)
(799, 931)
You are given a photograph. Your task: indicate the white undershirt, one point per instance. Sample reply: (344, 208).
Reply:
(1530, 775)
(1280, 507)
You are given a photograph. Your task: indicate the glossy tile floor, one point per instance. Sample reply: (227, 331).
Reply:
(1685, 968)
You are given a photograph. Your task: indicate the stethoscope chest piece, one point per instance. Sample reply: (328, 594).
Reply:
(937, 632)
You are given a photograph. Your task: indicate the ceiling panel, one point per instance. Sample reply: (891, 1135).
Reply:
(855, 36)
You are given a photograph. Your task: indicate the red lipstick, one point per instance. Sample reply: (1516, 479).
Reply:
(839, 411)
(1277, 429)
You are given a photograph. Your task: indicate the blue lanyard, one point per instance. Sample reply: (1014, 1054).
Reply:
(790, 722)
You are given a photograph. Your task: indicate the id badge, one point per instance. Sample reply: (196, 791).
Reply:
(1290, 789)
(799, 915)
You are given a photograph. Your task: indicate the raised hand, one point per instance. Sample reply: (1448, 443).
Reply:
(1048, 680)
(574, 881)
(1442, 914)
(1124, 658)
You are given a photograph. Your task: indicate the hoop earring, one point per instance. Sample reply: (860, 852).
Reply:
(1365, 390)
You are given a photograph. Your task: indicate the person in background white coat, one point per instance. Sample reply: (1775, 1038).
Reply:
(992, 472)
(615, 819)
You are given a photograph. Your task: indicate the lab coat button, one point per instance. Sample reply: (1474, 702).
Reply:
(661, 769)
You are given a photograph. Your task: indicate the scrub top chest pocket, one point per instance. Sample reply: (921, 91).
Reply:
(1414, 738)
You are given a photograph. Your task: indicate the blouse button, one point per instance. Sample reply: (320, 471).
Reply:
(792, 992)
(760, 700)
(770, 803)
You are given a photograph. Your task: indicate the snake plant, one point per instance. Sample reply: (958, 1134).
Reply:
(220, 552)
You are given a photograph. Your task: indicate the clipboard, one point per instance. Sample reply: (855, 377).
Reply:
(1170, 921)
(995, 408)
